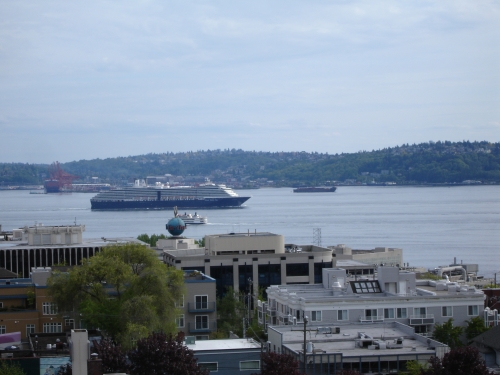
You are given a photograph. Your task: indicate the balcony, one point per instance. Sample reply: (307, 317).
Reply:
(371, 319)
(421, 319)
(206, 307)
(192, 328)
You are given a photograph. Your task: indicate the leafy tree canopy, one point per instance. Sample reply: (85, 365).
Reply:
(465, 360)
(431, 162)
(8, 367)
(273, 363)
(448, 334)
(475, 326)
(161, 354)
(125, 291)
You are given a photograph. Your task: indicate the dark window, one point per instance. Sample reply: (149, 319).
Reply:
(245, 273)
(318, 273)
(269, 274)
(297, 269)
(223, 276)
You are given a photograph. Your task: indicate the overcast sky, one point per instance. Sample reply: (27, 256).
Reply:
(97, 79)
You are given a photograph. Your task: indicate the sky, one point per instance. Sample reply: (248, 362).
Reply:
(99, 79)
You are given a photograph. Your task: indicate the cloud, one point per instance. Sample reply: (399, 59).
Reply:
(253, 75)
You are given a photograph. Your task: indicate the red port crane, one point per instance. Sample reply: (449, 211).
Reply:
(58, 178)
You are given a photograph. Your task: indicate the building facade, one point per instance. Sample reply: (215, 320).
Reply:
(366, 348)
(198, 307)
(392, 296)
(46, 246)
(249, 261)
(25, 306)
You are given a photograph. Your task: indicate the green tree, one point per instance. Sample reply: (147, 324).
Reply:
(230, 311)
(124, 290)
(151, 241)
(460, 361)
(10, 368)
(447, 334)
(415, 368)
(475, 327)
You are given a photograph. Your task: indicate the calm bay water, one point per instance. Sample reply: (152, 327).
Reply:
(431, 225)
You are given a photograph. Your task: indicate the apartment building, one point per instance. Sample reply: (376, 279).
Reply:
(198, 307)
(25, 306)
(394, 295)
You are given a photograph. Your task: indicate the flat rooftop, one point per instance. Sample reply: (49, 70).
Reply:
(243, 234)
(89, 242)
(226, 344)
(345, 341)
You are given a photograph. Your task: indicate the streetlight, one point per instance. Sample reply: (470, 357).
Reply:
(306, 320)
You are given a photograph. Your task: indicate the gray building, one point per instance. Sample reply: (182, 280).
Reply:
(394, 295)
(198, 315)
(231, 356)
(367, 348)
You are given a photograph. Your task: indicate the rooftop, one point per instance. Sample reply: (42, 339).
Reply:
(90, 242)
(359, 339)
(225, 344)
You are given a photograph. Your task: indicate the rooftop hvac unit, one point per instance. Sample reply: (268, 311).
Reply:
(190, 340)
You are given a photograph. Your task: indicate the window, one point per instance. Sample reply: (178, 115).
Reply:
(179, 321)
(249, 365)
(401, 313)
(30, 328)
(49, 308)
(180, 303)
(316, 316)
(365, 286)
(201, 302)
(201, 321)
(343, 315)
(202, 337)
(371, 314)
(420, 312)
(69, 323)
(52, 327)
(3, 330)
(210, 366)
(472, 310)
(389, 313)
(447, 311)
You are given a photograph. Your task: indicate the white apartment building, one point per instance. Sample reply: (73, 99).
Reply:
(393, 296)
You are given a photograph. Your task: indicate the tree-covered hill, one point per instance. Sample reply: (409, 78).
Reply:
(433, 162)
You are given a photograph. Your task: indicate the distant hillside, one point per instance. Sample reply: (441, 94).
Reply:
(437, 162)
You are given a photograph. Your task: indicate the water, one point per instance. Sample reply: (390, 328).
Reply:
(431, 225)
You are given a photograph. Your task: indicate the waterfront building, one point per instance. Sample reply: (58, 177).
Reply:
(249, 261)
(45, 246)
(393, 295)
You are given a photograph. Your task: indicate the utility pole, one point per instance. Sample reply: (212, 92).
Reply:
(250, 282)
(305, 324)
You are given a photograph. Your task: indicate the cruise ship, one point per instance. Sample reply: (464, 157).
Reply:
(160, 198)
